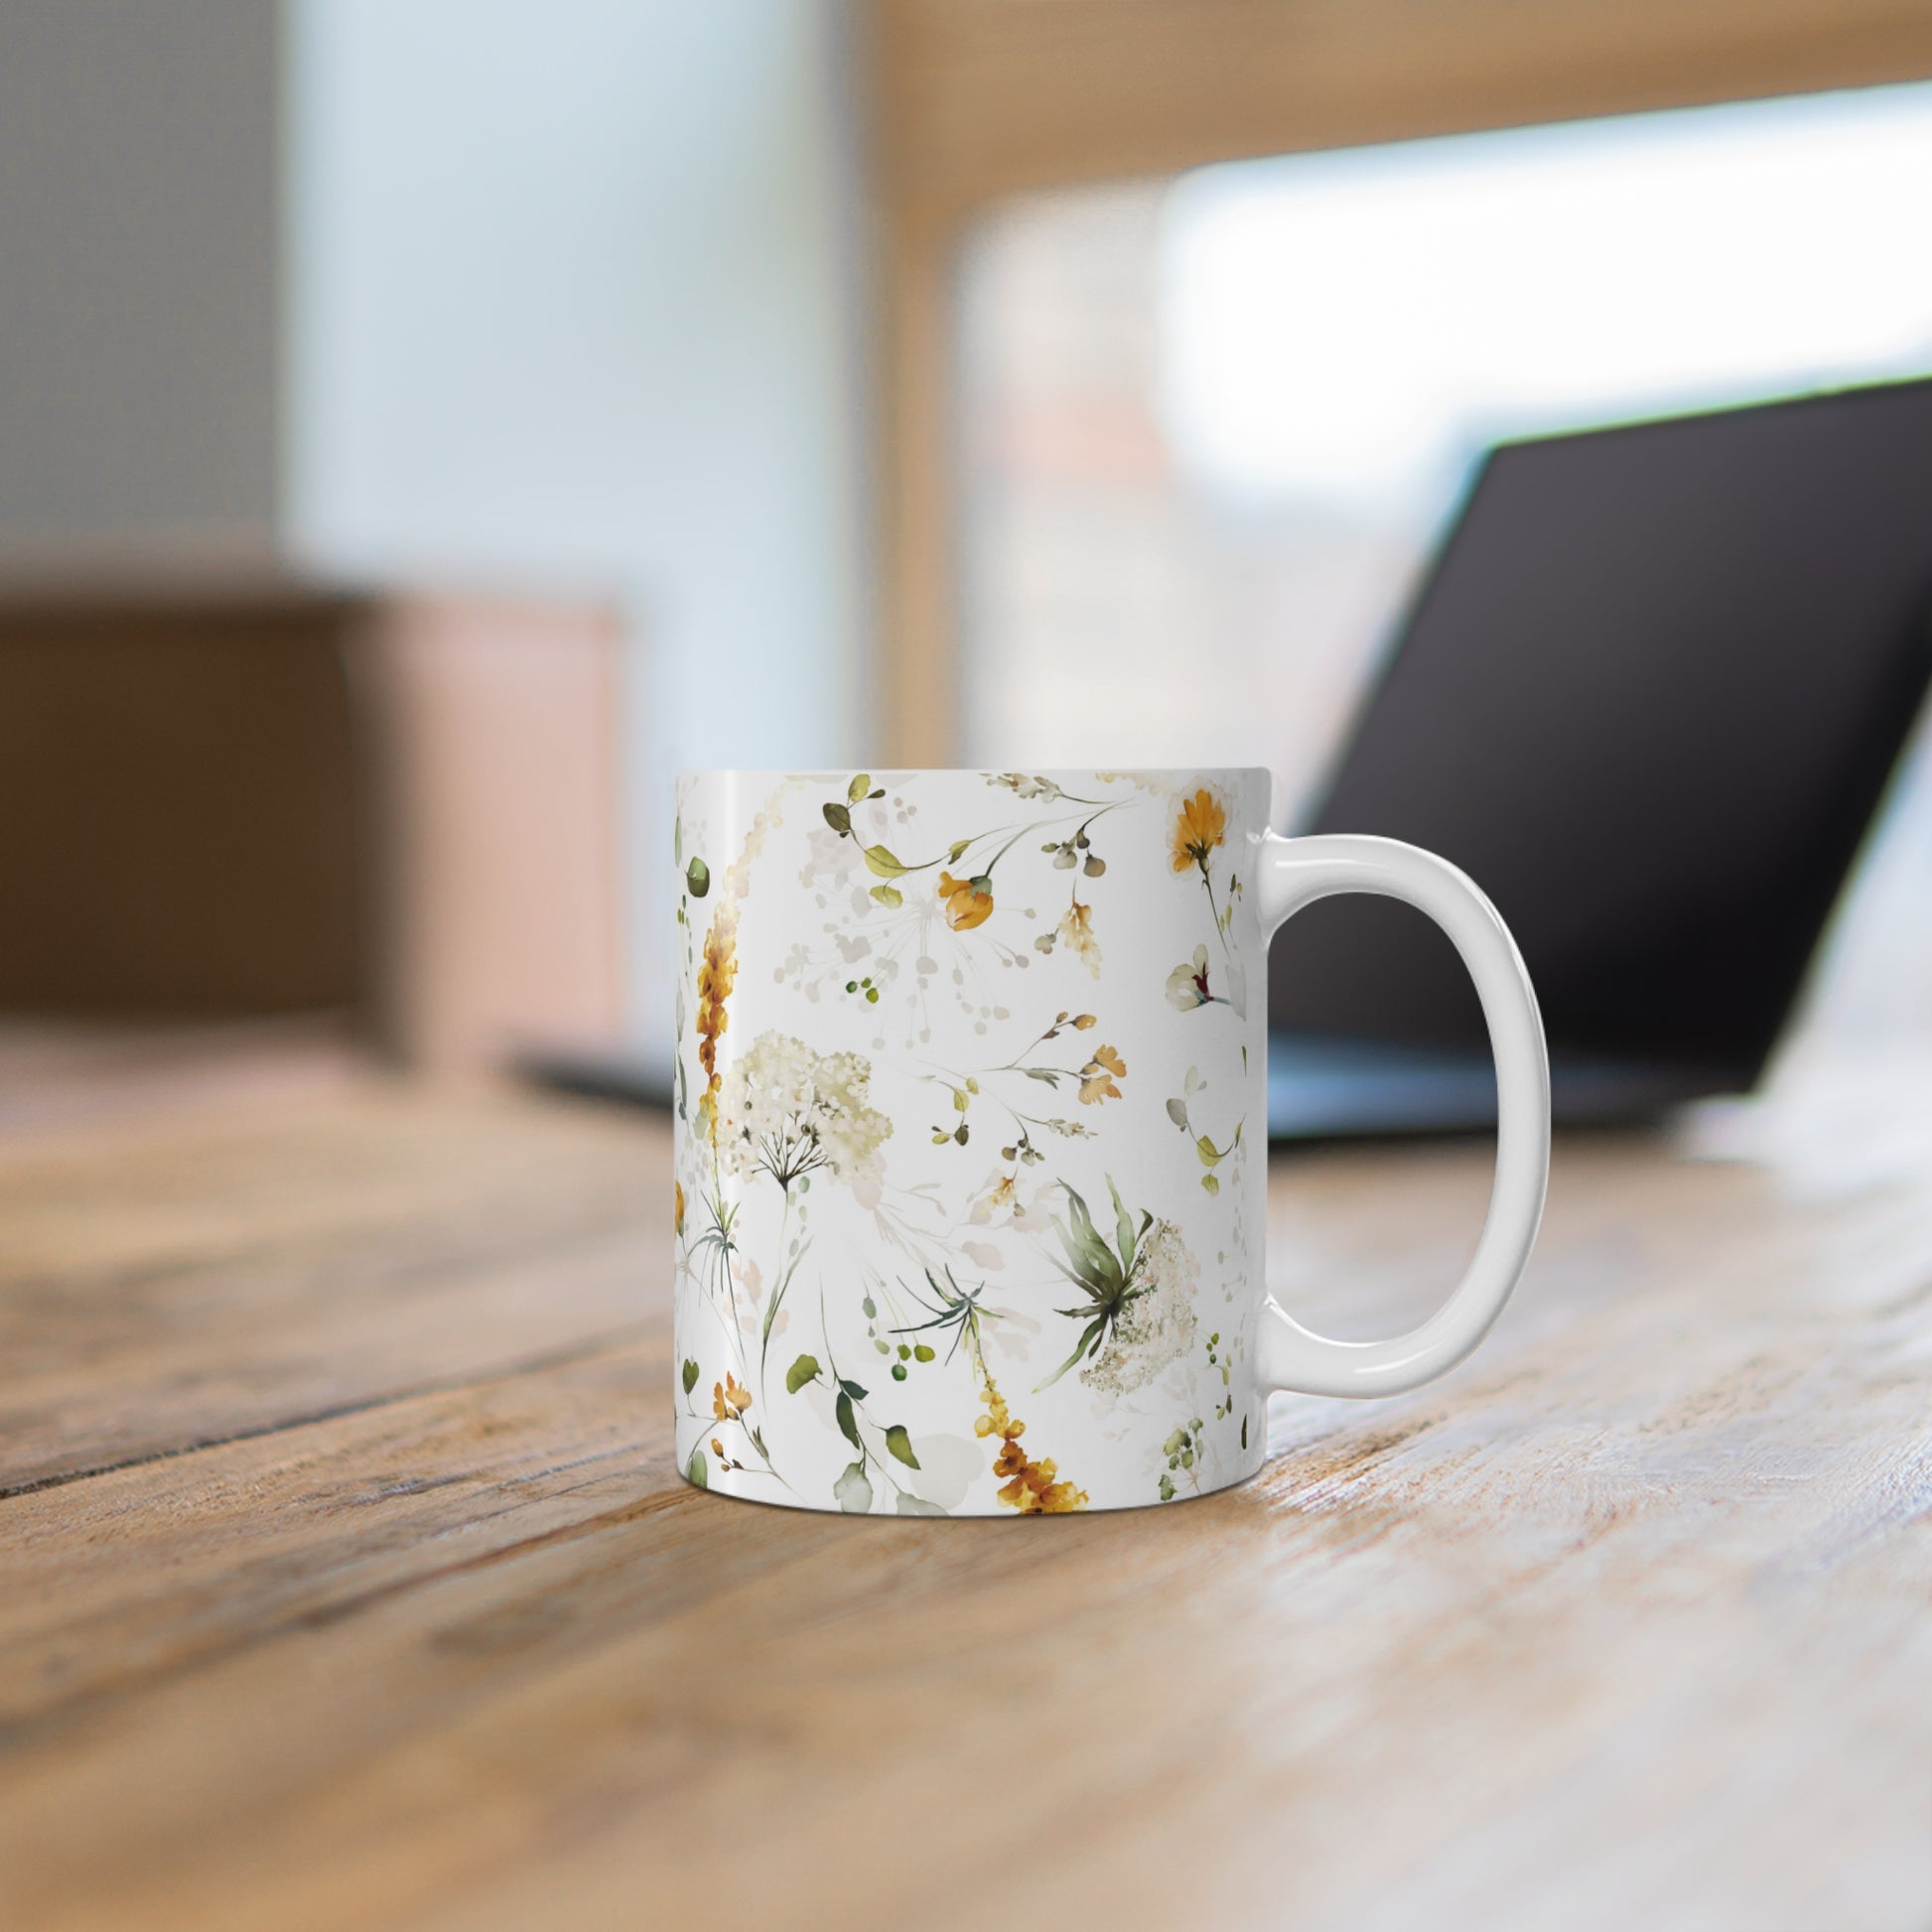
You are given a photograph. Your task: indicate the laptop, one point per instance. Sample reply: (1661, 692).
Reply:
(1648, 697)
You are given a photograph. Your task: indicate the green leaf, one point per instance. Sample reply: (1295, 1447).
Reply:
(696, 1472)
(847, 1424)
(803, 1370)
(838, 818)
(1089, 1336)
(955, 849)
(1210, 1184)
(961, 1100)
(879, 861)
(1076, 1257)
(900, 1445)
(1123, 1229)
(1244, 1432)
(858, 789)
(697, 877)
(690, 1377)
(852, 1388)
(1093, 1261)
(921, 1351)
(888, 895)
(853, 1491)
(909, 1506)
(1076, 1210)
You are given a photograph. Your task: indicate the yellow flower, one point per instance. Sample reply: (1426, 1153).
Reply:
(677, 1187)
(1077, 932)
(1201, 826)
(1096, 1081)
(715, 978)
(1030, 1487)
(728, 1399)
(967, 902)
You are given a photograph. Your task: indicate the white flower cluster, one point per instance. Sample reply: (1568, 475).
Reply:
(1158, 1327)
(830, 860)
(783, 1103)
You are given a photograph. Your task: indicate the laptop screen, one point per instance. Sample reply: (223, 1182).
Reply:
(1648, 699)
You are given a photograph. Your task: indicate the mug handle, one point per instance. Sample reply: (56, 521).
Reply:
(1294, 873)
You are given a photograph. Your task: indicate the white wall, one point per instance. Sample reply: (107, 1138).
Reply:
(571, 300)
(516, 291)
(138, 281)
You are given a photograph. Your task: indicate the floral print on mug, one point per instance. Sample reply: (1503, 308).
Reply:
(967, 1214)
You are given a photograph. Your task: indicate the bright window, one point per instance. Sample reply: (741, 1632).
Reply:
(1212, 427)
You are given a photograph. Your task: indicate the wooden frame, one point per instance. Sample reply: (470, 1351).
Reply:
(978, 100)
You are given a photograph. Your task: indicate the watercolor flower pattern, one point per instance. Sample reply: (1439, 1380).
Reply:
(844, 1335)
(1098, 1075)
(1157, 1329)
(1201, 826)
(966, 903)
(716, 976)
(1076, 935)
(1187, 984)
(999, 1201)
(1033, 1488)
(787, 1111)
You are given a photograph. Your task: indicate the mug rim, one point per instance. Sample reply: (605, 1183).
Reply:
(840, 774)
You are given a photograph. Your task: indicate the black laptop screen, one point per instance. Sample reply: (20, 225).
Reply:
(1647, 698)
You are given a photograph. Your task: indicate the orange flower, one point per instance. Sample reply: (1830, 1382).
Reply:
(1030, 1487)
(967, 902)
(1201, 826)
(715, 978)
(677, 1189)
(1096, 1081)
(728, 1399)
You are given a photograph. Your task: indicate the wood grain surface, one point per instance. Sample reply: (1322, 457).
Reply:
(349, 1580)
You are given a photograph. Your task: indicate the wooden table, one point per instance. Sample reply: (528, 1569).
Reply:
(349, 1583)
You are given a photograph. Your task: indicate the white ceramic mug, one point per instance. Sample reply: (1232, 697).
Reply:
(971, 1135)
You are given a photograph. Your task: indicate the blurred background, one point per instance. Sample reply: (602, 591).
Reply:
(426, 427)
